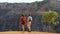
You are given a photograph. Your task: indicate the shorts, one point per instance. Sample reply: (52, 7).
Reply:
(23, 23)
(29, 24)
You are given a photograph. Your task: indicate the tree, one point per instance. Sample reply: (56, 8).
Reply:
(50, 17)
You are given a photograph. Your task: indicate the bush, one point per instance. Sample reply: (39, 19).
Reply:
(50, 17)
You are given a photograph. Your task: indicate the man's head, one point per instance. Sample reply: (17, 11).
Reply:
(30, 14)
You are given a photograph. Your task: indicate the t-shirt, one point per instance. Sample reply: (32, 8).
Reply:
(23, 19)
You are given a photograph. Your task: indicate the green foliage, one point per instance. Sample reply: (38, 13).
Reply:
(50, 17)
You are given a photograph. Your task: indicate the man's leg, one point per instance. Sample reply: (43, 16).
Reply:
(29, 26)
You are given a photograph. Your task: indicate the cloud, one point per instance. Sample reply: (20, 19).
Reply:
(19, 1)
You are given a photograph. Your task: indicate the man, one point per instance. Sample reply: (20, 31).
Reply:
(23, 22)
(29, 22)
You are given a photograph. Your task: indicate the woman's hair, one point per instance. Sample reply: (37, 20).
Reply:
(22, 15)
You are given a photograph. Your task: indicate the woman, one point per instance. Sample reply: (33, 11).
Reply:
(23, 22)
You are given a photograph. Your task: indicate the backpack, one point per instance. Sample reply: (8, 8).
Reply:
(30, 19)
(23, 19)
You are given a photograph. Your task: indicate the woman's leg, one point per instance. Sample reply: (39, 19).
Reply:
(22, 27)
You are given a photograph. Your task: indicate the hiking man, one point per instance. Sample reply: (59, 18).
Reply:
(29, 19)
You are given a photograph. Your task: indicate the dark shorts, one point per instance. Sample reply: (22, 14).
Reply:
(23, 23)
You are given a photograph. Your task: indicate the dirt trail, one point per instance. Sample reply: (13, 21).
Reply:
(19, 32)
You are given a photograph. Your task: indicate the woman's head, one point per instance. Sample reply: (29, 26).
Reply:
(23, 15)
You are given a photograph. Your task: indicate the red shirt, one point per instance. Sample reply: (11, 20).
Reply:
(23, 19)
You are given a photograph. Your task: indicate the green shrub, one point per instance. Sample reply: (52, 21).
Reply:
(50, 17)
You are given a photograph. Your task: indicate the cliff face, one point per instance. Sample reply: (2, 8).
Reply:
(55, 4)
(10, 14)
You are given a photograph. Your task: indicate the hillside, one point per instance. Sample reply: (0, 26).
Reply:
(11, 12)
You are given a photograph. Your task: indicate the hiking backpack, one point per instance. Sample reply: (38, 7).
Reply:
(30, 19)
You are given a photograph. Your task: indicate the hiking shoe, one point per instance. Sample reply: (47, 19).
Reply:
(29, 31)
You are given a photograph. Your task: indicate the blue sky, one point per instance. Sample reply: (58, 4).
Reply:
(19, 1)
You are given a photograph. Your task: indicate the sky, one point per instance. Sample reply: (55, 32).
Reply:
(19, 1)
